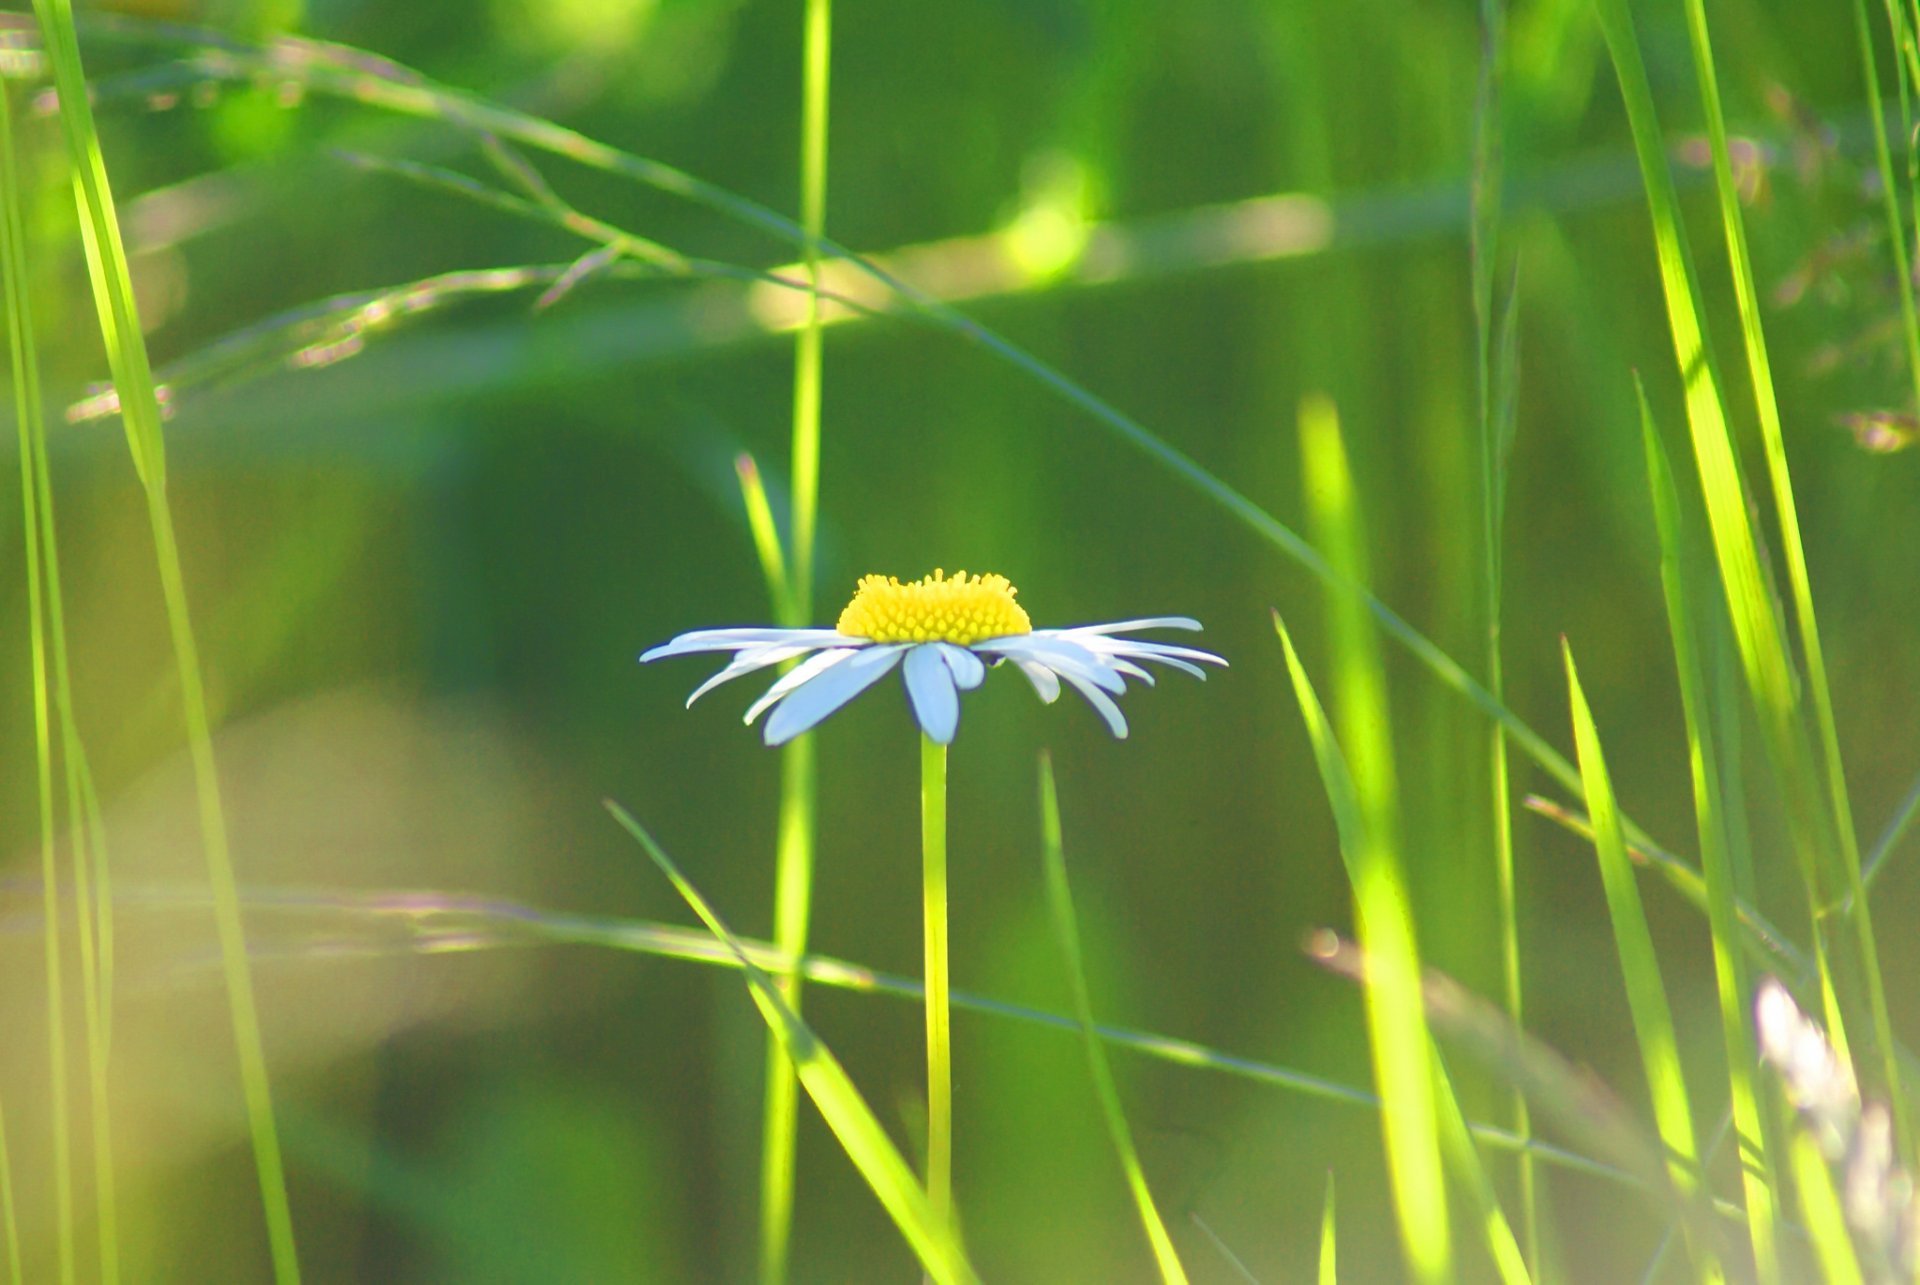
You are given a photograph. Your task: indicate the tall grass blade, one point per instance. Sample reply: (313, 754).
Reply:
(793, 601)
(1396, 1021)
(1509, 1263)
(1710, 810)
(1329, 1247)
(1821, 1212)
(27, 409)
(47, 612)
(1357, 772)
(1066, 929)
(1829, 862)
(1639, 966)
(845, 1111)
(140, 410)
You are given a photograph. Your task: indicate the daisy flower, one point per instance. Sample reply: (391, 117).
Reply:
(942, 633)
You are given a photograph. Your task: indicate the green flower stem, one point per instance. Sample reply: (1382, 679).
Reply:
(933, 849)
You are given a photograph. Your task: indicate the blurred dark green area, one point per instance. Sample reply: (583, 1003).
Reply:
(422, 575)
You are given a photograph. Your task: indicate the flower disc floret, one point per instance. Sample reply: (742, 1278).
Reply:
(960, 609)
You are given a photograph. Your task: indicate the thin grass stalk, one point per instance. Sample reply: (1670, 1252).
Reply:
(1640, 969)
(793, 605)
(1495, 371)
(1890, 195)
(133, 379)
(27, 409)
(1757, 1168)
(1773, 439)
(1067, 932)
(933, 853)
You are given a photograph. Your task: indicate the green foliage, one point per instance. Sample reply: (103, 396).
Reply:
(478, 370)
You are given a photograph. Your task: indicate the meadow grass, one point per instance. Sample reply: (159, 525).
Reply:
(1739, 656)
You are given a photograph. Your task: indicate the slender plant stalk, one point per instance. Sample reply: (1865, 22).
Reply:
(139, 406)
(1890, 196)
(794, 855)
(1495, 371)
(26, 413)
(48, 618)
(933, 853)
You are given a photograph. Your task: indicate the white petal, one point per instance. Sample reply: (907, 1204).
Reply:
(1139, 648)
(1045, 682)
(741, 639)
(936, 705)
(748, 662)
(1060, 654)
(969, 671)
(832, 689)
(1128, 626)
(800, 675)
(1130, 669)
(1102, 702)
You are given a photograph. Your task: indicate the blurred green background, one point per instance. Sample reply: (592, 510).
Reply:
(422, 575)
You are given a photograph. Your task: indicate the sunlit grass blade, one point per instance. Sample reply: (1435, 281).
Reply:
(1066, 929)
(1357, 773)
(1821, 1212)
(1757, 1169)
(1396, 1024)
(1639, 966)
(1509, 1264)
(1559, 1091)
(845, 1111)
(27, 410)
(140, 410)
(1766, 406)
(1821, 836)
(1329, 1241)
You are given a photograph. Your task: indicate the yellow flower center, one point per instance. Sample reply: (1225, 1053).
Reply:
(963, 609)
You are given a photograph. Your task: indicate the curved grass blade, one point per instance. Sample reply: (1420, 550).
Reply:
(140, 410)
(1066, 929)
(845, 1111)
